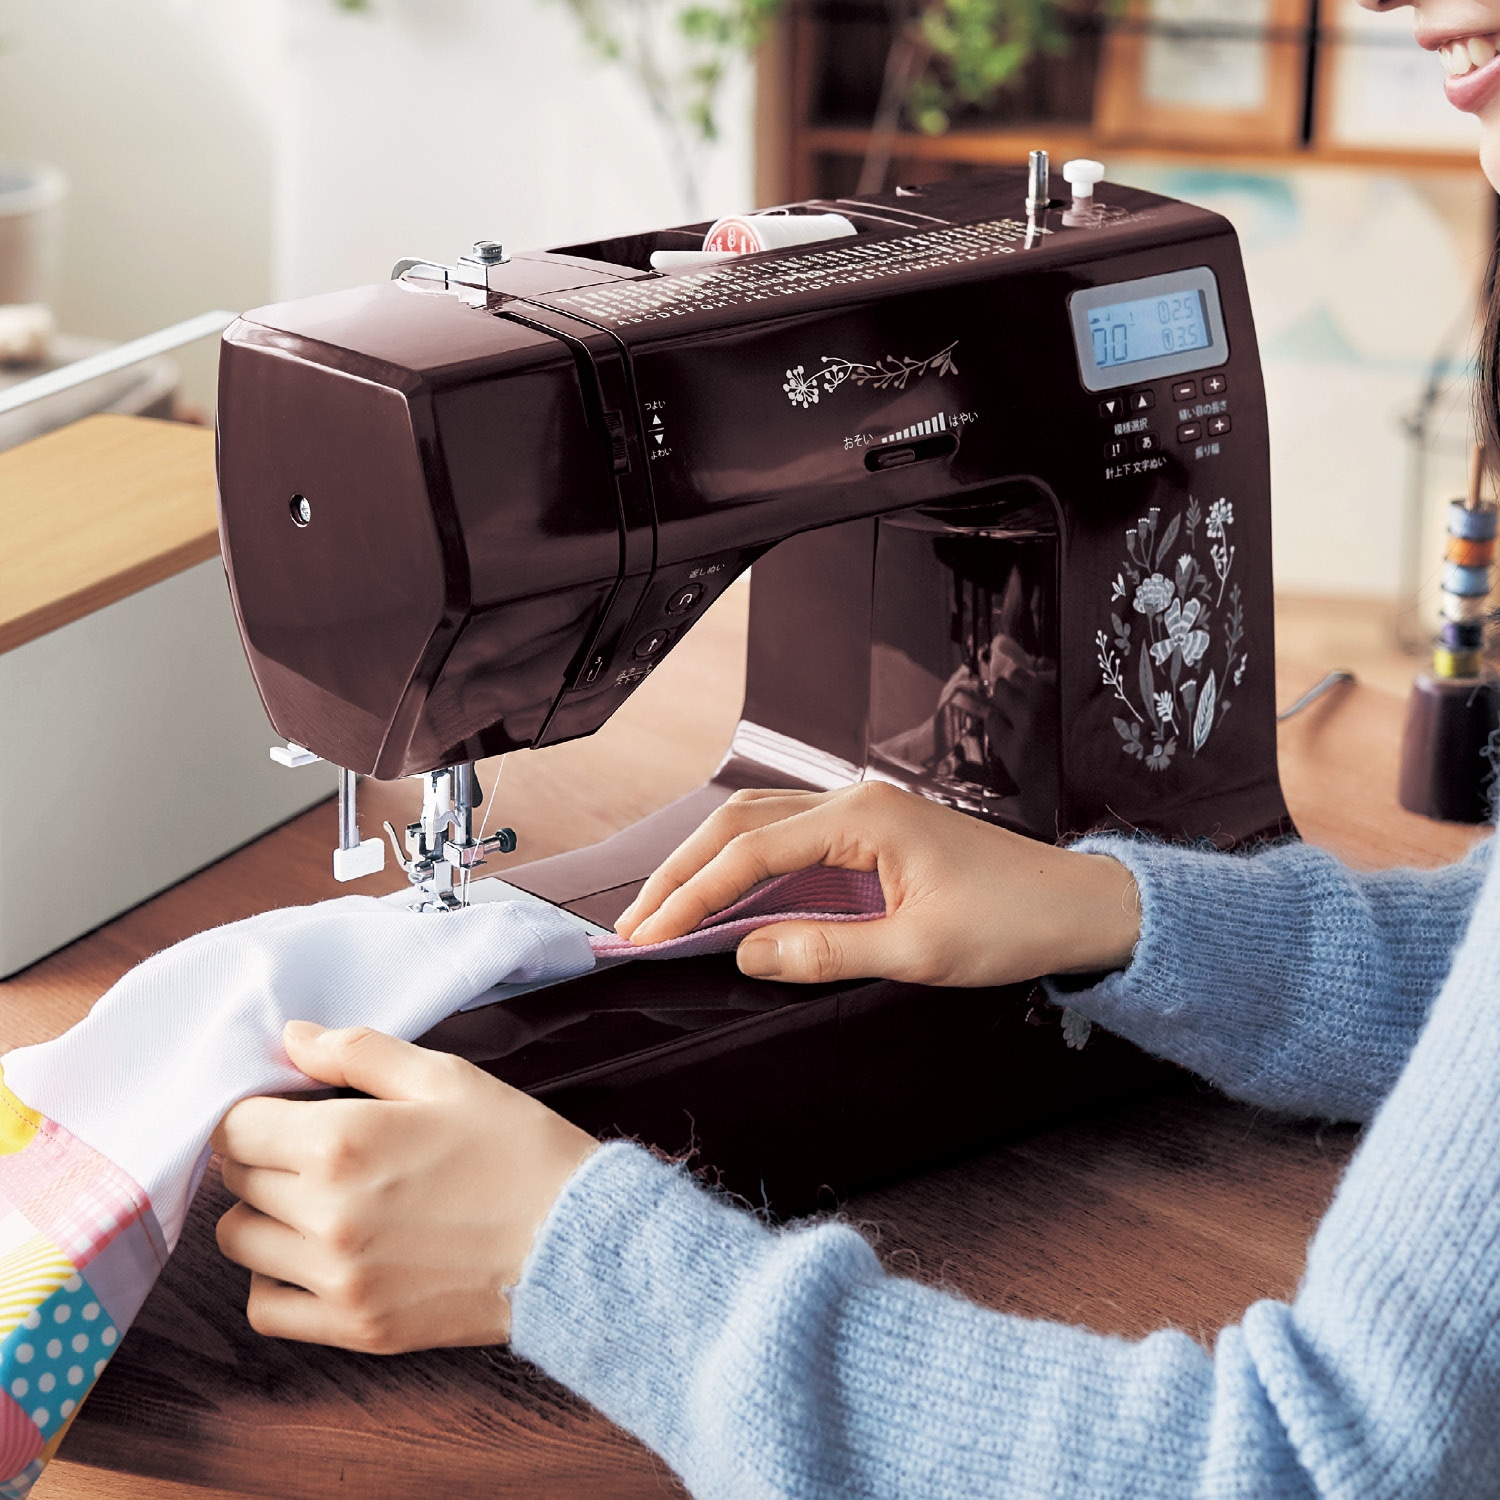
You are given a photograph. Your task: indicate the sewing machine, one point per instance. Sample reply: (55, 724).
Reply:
(1000, 463)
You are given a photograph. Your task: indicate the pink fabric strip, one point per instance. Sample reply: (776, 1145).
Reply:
(818, 894)
(79, 1199)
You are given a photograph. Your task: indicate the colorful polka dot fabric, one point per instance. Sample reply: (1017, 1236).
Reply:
(72, 1274)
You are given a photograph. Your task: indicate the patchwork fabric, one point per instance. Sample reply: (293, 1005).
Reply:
(49, 1361)
(21, 1439)
(29, 1275)
(18, 1123)
(78, 1198)
(19, 1487)
(818, 894)
(62, 1206)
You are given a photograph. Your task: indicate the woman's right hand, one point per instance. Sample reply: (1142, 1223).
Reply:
(967, 903)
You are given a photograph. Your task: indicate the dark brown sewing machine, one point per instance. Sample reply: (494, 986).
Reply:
(1001, 467)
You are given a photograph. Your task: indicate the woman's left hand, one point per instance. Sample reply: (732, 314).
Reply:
(395, 1222)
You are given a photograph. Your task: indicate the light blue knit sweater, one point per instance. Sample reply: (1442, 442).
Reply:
(762, 1363)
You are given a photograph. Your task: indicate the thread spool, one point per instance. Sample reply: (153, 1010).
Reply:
(1462, 635)
(1466, 583)
(1469, 554)
(1450, 754)
(746, 234)
(1451, 607)
(1473, 523)
(1470, 551)
(1449, 664)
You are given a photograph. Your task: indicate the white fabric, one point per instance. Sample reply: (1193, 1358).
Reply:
(147, 1075)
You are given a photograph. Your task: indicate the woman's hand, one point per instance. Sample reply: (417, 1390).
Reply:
(966, 903)
(395, 1222)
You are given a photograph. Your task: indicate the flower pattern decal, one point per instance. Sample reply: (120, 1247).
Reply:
(1182, 640)
(801, 390)
(890, 372)
(1163, 666)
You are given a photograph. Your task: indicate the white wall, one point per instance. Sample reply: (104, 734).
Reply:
(224, 152)
(433, 123)
(154, 111)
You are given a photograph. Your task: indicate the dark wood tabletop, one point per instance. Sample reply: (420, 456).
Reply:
(1180, 1210)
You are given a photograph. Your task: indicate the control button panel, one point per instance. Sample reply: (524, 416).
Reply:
(1199, 415)
(668, 607)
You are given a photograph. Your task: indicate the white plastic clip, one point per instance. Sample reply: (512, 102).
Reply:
(367, 858)
(292, 754)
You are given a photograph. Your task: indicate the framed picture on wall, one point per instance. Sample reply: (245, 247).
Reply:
(1376, 89)
(1221, 73)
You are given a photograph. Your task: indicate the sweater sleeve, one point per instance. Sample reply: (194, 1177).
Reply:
(761, 1363)
(1283, 977)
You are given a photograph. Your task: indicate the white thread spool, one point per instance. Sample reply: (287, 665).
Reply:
(747, 234)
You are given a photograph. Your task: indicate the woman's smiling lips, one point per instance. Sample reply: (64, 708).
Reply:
(1473, 68)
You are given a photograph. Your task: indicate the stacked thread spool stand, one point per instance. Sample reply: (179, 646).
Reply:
(1450, 756)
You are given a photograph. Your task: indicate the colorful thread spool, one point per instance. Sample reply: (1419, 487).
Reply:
(1446, 663)
(1476, 524)
(1470, 551)
(1466, 583)
(1462, 635)
(1452, 722)
(1454, 608)
(1469, 554)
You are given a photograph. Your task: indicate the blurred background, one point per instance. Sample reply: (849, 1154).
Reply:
(161, 157)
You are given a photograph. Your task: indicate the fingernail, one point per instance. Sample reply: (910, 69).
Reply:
(302, 1031)
(760, 957)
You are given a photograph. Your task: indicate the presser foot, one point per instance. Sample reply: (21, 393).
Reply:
(439, 876)
(440, 847)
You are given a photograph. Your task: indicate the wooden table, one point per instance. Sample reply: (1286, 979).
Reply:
(1178, 1210)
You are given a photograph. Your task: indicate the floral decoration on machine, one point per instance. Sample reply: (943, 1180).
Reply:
(1161, 661)
(889, 373)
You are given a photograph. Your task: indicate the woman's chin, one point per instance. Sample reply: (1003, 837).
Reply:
(1489, 145)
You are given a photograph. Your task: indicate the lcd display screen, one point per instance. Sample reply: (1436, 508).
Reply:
(1124, 333)
(1135, 331)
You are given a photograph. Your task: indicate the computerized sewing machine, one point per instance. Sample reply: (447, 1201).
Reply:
(1000, 463)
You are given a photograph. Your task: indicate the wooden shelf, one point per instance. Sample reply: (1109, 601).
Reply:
(97, 511)
(800, 154)
(1009, 147)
